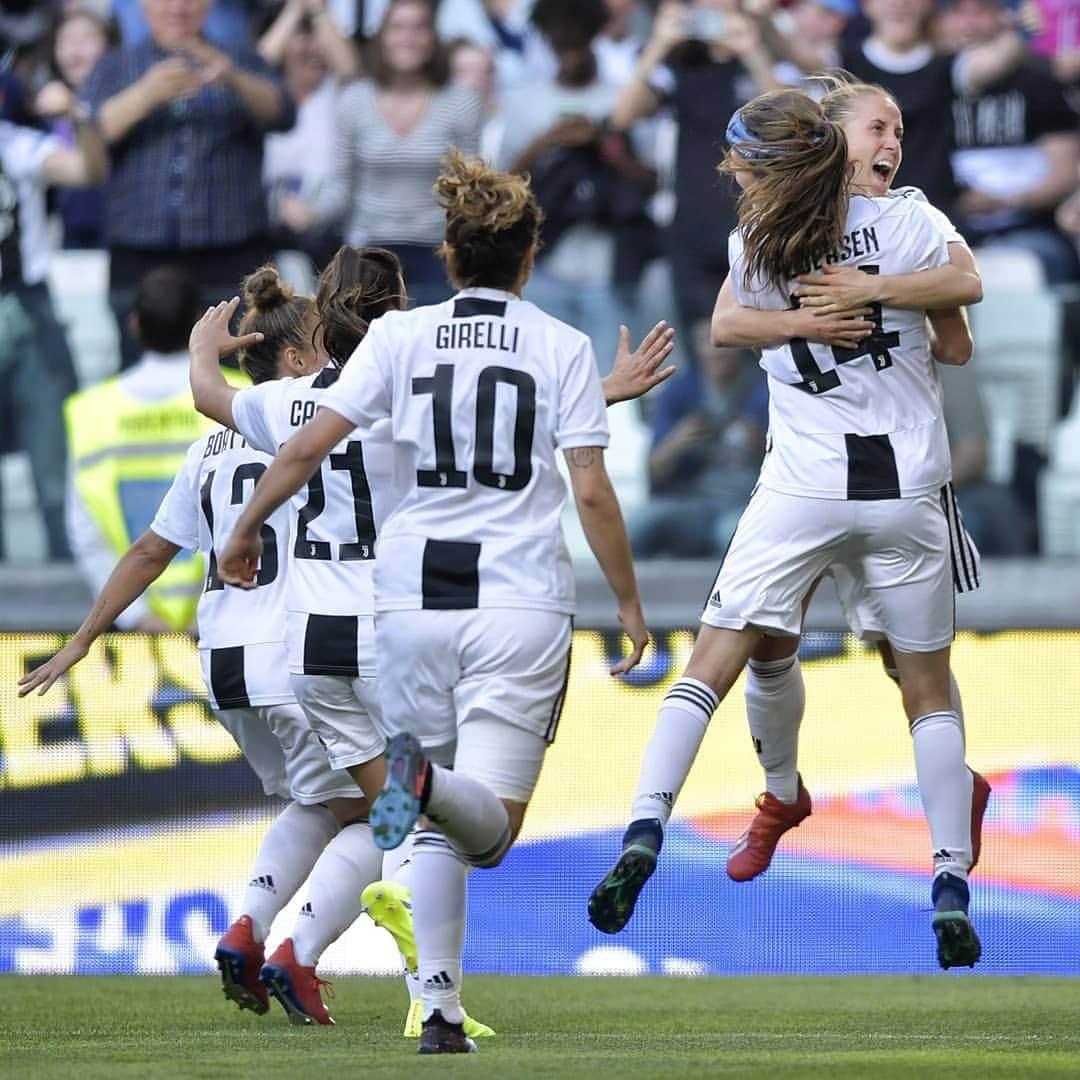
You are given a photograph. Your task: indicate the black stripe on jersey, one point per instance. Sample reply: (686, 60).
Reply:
(330, 645)
(871, 468)
(451, 575)
(466, 306)
(327, 377)
(227, 678)
(557, 708)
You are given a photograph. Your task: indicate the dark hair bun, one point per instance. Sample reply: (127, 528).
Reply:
(264, 290)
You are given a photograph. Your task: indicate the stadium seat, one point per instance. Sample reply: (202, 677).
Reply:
(1018, 358)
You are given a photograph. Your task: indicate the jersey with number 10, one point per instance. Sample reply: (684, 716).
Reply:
(483, 391)
(865, 422)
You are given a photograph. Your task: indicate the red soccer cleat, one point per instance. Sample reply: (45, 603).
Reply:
(980, 796)
(239, 957)
(296, 987)
(753, 851)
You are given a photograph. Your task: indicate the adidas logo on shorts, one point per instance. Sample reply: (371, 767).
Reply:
(715, 599)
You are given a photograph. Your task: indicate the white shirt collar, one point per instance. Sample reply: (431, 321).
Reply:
(488, 294)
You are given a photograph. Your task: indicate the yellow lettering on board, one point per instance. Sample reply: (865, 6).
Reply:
(26, 760)
(113, 688)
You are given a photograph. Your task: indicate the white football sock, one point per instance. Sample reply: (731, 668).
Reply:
(286, 855)
(438, 891)
(469, 814)
(945, 784)
(350, 862)
(680, 726)
(775, 700)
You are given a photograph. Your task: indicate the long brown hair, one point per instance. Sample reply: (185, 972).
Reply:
(359, 285)
(795, 176)
(492, 220)
(282, 317)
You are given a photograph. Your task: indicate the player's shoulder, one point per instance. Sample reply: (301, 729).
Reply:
(891, 209)
(909, 191)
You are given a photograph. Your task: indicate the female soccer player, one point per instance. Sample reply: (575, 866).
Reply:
(474, 588)
(858, 457)
(873, 126)
(242, 648)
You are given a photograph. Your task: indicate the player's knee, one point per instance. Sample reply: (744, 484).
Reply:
(486, 860)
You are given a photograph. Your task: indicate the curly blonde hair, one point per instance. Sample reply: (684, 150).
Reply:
(492, 221)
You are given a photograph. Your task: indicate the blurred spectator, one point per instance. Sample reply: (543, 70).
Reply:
(708, 433)
(1056, 26)
(315, 59)
(128, 436)
(473, 67)
(500, 26)
(623, 37)
(805, 37)
(704, 61)
(393, 129)
(185, 124)
(900, 55)
(34, 356)
(1017, 149)
(228, 22)
(79, 40)
(996, 519)
(590, 184)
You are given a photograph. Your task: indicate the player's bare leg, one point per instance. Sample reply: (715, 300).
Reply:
(718, 657)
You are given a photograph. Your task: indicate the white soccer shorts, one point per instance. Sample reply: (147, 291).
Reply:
(897, 549)
(344, 712)
(490, 679)
(286, 755)
(861, 614)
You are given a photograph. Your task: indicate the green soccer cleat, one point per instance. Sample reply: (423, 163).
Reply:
(612, 901)
(390, 906)
(414, 1024)
(957, 943)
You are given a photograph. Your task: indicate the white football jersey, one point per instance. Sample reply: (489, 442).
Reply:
(335, 518)
(483, 391)
(862, 423)
(241, 632)
(941, 221)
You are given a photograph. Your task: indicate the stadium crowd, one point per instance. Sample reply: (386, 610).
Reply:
(140, 127)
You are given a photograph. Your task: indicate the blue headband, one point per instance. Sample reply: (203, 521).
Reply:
(740, 137)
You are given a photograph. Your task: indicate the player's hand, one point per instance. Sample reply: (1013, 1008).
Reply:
(636, 373)
(838, 288)
(41, 678)
(212, 333)
(842, 329)
(633, 624)
(239, 562)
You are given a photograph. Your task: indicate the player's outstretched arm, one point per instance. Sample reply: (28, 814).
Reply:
(601, 518)
(839, 288)
(141, 564)
(636, 373)
(738, 327)
(210, 340)
(290, 469)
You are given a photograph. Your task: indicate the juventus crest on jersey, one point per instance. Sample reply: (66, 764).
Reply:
(861, 423)
(241, 633)
(335, 520)
(482, 391)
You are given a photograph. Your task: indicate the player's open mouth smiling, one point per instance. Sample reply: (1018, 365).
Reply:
(882, 168)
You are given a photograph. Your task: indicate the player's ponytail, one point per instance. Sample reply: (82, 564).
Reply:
(282, 317)
(792, 164)
(358, 285)
(492, 222)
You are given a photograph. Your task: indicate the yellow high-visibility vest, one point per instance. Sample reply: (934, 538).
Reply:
(124, 454)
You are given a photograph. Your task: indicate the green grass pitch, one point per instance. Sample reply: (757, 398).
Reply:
(783, 1028)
